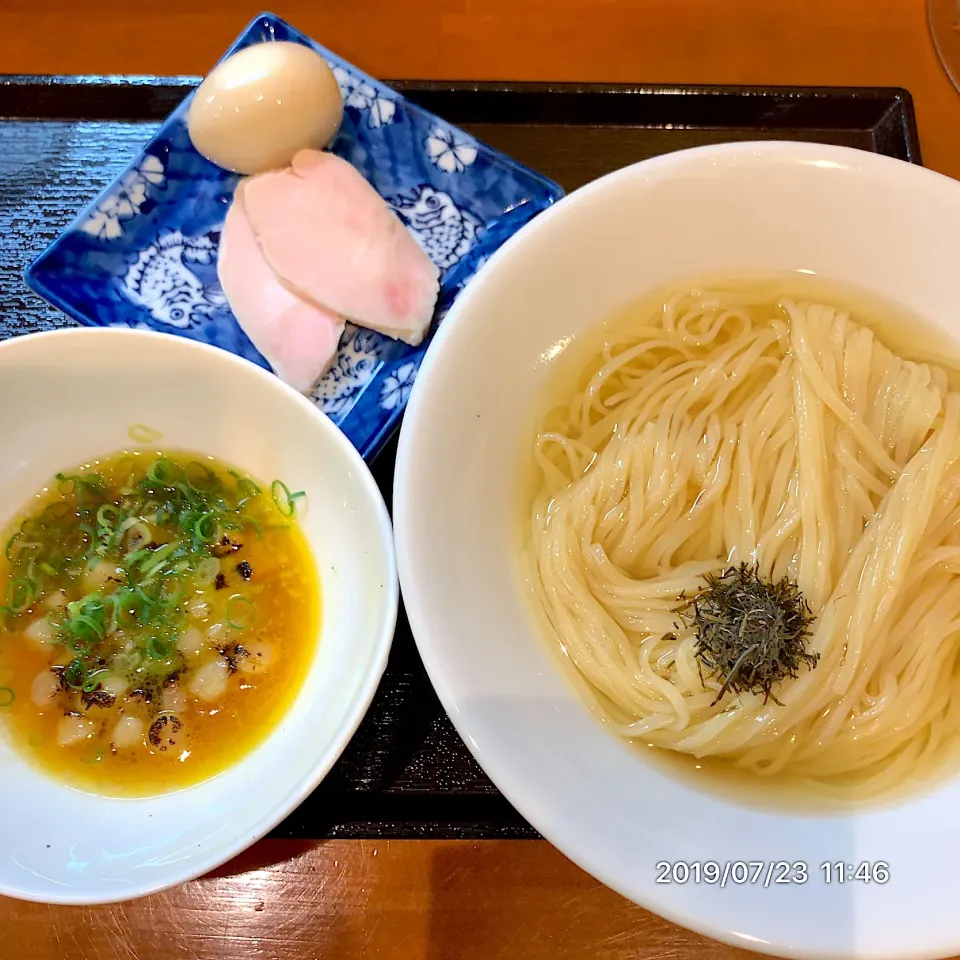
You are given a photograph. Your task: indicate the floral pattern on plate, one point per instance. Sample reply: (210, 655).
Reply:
(143, 255)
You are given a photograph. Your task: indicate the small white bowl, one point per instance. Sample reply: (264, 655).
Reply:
(762, 208)
(70, 395)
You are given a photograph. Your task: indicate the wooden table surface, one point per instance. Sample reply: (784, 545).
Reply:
(441, 900)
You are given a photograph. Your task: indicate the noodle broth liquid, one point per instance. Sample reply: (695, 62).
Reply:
(903, 333)
(191, 700)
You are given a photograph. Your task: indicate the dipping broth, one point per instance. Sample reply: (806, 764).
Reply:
(161, 612)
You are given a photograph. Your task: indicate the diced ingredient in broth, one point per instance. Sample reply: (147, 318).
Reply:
(73, 729)
(127, 733)
(331, 238)
(41, 632)
(46, 685)
(159, 613)
(209, 682)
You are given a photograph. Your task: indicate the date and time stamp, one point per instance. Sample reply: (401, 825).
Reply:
(770, 873)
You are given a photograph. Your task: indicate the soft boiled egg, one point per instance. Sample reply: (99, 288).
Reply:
(262, 105)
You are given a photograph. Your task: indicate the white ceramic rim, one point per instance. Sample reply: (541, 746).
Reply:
(531, 801)
(368, 688)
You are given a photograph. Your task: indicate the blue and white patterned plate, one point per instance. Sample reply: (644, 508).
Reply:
(144, 253)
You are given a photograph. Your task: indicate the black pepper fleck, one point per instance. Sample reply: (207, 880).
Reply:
(233, 653)
(164, 728)
(225, 547)
(61, 679)
(98, 698)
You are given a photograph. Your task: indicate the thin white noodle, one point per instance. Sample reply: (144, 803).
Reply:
(727, 430)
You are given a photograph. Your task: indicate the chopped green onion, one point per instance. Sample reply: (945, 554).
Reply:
(115, 601)
(158, 648)
(125, 465)
(21, 592)
(10, 544)
(86, 632)
(57, 510)
(137, 534)
(247, 489)
(139, 592)
(199, 476)
(93, 680)
(21, 547)
(108, 516)
(140, 433)
(241, 612)
(156, 557)
(85, 624)
(181, 509)
(114, 538)
(85, 627)
(73, 674)
(285, 500)
(161, 471)
(134, 558)
(32, 527)
(7, 696)
(206, 528)
(147, 606)
(124, 663)
(66, 485)
(170, 602)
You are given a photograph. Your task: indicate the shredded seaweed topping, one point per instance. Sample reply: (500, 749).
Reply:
(751, 632)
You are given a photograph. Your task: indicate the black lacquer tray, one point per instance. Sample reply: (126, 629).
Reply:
(62, 139)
